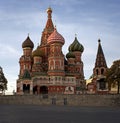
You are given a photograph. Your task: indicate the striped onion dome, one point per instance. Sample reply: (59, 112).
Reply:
(37, 52)
(76, 46)
(70, 55)
(55, 37)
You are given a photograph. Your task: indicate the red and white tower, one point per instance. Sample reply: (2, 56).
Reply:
(26, 59)
(56, 57)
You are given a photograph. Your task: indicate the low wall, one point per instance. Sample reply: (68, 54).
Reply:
(70, 100)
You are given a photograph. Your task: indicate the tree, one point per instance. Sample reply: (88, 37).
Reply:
(113, 75)
(3, 81)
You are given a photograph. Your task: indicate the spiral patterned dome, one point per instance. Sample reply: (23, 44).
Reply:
(28, 43)
(55, 37)
(76, 46)
(37, 52)
(70, 55)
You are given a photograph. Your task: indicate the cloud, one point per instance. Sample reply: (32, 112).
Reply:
(7, 51)
(20, 20)
(65, 2)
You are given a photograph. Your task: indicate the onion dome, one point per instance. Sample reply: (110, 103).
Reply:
(37, 52)
(70, 55)
(76, 46)
(55, 37)
(28, 43)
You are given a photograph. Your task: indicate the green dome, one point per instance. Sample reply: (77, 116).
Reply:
(70, 55)
(37, 52)
(76, 46)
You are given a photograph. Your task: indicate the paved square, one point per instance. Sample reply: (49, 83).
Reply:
(58, 114)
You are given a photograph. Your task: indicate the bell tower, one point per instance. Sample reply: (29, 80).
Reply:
(100, 70)
(100, 64)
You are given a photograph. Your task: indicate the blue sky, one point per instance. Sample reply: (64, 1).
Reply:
(89, 19)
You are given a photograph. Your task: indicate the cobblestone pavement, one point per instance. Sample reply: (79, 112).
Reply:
(58, 114)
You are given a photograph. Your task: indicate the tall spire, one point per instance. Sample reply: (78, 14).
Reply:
(49, 24)
(49, 28)
(100, 59)
(49, 11)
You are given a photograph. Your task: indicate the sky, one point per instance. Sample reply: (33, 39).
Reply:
(89, 19)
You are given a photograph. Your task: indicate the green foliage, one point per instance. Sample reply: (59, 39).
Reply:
(113, 74)
(3, 81)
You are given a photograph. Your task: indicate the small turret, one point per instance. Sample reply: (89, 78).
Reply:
(76, 46)
(26, 59)
(37, 55)
(77, 49)
(27, 46)
(28, 43)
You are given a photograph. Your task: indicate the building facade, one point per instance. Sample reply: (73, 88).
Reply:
(46, 70)
(98, 84)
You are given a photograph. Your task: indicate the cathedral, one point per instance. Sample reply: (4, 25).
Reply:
(46, 70)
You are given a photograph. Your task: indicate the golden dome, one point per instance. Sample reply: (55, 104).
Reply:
(49, 10)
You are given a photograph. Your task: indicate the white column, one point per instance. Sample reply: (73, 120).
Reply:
(21, 87)
(31, 88)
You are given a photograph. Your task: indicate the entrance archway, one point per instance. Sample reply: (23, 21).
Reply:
(102, 84)
(43, 90)
(26, 88)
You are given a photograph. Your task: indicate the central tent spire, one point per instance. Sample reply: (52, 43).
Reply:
(49, 28)
(49, 11)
